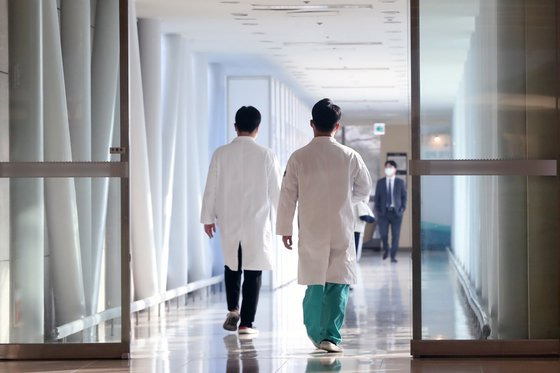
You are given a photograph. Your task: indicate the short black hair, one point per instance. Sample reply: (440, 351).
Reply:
(247, 119)
(325, 115)
(391, 162)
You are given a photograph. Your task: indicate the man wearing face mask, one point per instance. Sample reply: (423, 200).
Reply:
(389, 205)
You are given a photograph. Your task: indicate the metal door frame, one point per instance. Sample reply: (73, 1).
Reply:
(120, 169)
(419, 168)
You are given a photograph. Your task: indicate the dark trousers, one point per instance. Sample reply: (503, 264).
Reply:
(251, 288)
(393, 220)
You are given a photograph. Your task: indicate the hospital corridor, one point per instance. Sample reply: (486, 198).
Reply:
(280, 186)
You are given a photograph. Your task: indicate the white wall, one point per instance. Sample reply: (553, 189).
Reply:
(249, 91)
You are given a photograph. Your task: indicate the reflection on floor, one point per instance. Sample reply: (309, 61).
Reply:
(376, 336)
(443, 317)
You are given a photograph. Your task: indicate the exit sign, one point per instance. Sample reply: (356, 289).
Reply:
(379, 128)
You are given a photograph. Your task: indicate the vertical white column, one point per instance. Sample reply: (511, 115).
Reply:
(142, 229)
(217, 127)
(199, 261)
(60, 193)
(26, 144)
(150, 39)
(104, 75)
(75, 17)
(173, 57)
(177, 274)
(113, 233)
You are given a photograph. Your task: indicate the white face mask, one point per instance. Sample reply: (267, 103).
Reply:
(389, 171)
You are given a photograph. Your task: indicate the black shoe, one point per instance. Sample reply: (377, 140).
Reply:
(393, 260)
(385, 254)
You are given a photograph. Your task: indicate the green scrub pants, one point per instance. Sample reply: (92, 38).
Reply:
(324, 307)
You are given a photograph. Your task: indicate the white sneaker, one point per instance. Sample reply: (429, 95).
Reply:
(247, 330)
(329, 347)
(232, 319)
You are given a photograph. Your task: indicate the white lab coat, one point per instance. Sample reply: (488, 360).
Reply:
(241, 195)
(325, 179)
(361, 209)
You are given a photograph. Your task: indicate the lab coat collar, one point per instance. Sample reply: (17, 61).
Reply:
(243, 138)
(324, 138)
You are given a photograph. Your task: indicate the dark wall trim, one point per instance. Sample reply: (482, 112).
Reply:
(415, 187)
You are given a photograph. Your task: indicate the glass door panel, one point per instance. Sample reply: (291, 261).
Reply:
(63, 195)
(485, 165)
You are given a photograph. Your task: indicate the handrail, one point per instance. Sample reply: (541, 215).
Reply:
(472, 298)
(87, 322)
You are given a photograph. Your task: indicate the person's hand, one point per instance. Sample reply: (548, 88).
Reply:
(287, 242)
(209, 229)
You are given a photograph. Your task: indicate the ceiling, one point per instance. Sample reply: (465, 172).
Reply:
(354, 51)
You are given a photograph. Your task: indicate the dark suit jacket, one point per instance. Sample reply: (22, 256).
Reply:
(399, 196)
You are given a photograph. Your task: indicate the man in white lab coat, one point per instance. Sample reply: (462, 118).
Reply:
(241, 194)
(325, 179)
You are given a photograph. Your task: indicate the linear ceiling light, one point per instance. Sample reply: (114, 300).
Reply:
(367, 101)
(308, 7)
(347, 68)
(333, 43)
(360, 87)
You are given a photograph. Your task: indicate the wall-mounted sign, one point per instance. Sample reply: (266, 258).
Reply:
(379, 128)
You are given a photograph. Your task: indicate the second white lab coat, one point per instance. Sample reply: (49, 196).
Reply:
(324, 179)
(241, 196)
(361, 209)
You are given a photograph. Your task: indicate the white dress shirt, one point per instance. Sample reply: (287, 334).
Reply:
(391, 184)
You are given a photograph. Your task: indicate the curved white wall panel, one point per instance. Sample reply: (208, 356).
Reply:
(60, 194)
(75, 18)
(142, 233)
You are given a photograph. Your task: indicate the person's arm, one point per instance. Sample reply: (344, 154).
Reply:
(361, 188)
(287, 204)
(208, 210)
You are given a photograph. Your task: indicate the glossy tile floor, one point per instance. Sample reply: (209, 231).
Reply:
(376, 336)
